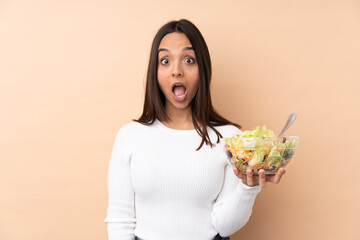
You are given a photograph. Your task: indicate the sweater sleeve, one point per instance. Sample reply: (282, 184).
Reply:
(233, 206)
(120, 217)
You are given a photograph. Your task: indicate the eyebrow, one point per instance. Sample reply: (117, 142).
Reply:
(184, 49)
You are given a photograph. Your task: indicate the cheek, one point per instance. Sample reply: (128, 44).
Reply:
(195, 87)
(162, 80)
(195, 81)
(162, 74)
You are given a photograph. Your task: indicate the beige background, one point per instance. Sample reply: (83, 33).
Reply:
(72, 72)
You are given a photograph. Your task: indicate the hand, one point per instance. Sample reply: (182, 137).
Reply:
(250, 180)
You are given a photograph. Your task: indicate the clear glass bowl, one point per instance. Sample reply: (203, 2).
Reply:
(256, 153)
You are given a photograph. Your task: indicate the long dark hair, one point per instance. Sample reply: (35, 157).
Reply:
(202, 111)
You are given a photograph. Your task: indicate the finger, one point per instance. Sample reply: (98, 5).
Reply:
(244, 176)
(240, 175)
(243, 179)
(262, 178)
(237, 172)
(278, 175)
(249, 177)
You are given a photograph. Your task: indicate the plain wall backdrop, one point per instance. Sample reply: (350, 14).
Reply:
(73, 72)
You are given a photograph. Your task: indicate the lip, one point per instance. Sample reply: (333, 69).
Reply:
(183, 97)
(180, 83)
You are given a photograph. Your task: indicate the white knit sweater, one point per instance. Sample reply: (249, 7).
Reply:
(161, 188)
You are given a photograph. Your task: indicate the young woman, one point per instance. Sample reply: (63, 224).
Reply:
(168, 175)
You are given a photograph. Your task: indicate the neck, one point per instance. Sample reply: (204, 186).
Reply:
(179, 118)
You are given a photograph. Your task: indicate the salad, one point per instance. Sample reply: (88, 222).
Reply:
(260, 149)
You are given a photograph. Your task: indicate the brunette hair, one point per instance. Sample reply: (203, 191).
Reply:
(202, 111)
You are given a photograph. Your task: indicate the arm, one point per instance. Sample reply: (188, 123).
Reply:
(121, 210)
(233, 206)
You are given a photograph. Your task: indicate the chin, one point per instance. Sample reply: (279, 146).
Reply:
(183, 105)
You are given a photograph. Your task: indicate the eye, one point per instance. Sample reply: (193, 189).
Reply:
(164, 61)
(189, 60)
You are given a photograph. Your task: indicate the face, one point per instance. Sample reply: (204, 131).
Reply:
(178, 72)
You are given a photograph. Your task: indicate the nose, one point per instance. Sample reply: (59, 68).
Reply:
(177, 70)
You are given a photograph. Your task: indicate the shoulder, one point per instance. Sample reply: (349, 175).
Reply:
(228, 130)
(132, 128)
(128, 134)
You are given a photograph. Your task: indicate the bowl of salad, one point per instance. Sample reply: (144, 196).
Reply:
(260, 149)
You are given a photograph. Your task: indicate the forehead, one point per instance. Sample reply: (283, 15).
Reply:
(174, 41)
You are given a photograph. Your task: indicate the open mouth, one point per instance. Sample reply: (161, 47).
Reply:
(179, 91)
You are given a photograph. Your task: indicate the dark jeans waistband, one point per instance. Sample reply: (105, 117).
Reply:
(217, 237)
